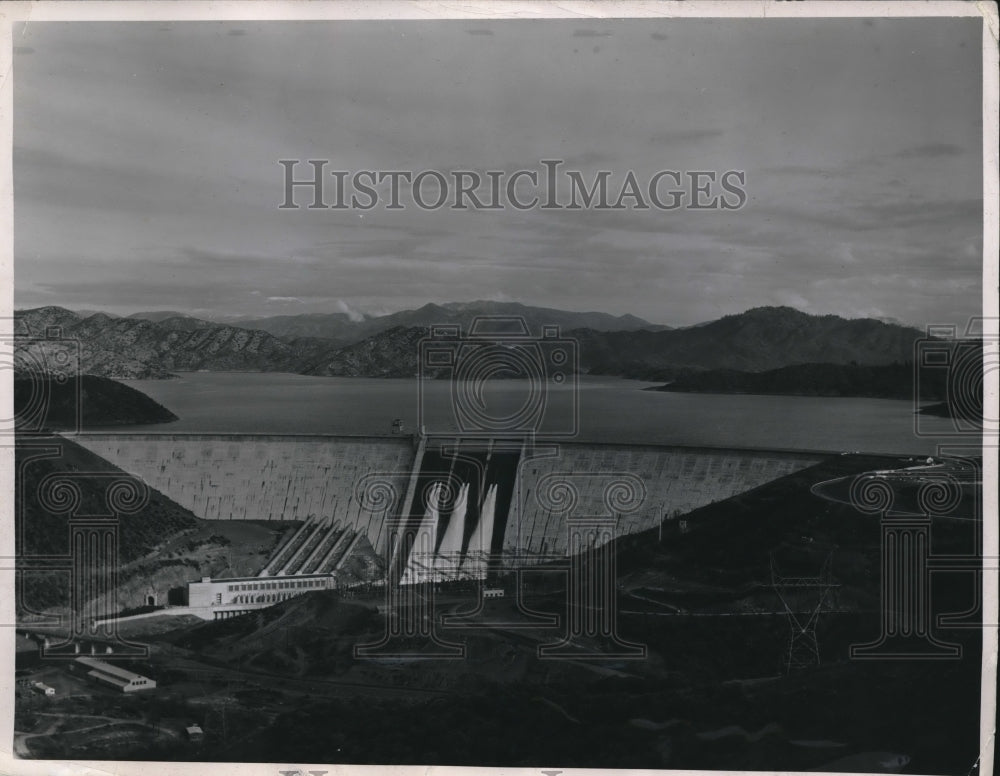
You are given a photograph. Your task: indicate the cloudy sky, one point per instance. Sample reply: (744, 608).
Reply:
(146, 170)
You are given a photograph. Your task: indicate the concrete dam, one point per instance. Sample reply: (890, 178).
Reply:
(465, 498)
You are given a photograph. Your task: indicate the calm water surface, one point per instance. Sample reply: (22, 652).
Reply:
(610, 410)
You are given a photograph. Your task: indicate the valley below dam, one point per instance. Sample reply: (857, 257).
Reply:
(725, 486)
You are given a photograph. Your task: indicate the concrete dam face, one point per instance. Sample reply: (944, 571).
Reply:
(251, 477)
(464, 499)
(635, 486)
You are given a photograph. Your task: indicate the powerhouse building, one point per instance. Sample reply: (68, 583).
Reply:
(219, 599)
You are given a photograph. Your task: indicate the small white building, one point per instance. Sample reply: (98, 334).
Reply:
(114, 676)
(43, 689)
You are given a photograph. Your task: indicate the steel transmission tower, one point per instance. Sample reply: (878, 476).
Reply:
(797, 594)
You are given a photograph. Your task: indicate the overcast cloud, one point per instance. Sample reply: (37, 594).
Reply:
(146, 164)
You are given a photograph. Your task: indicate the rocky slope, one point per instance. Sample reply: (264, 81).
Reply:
(391, 353)
(135, 348)
(761, 339)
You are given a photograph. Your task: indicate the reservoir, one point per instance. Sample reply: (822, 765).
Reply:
(609, 410)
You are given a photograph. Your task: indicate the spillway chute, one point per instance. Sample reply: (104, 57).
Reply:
(448, 559)
(420, 563)
(474, 565)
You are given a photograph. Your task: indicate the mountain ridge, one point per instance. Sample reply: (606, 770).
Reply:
(760, 339)
(346, 330)
(136, 348)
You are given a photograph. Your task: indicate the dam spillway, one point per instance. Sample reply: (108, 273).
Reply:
(291, 477)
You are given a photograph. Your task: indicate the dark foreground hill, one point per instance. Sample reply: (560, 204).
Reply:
(710, 692)
(729, 543)
(43, 531)
(82, 402)
(312, 634)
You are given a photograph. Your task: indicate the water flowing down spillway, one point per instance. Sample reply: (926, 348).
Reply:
(419, 565)
(449, 554)
(475, 562)
(471, 488)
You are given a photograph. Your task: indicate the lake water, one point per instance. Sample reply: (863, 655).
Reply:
(610, 410)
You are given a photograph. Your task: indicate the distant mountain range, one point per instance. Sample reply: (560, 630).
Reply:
(759, 339)
(135, 348)
(154, 344)
(160, 316)
(391, 353)
(343, 329)
(387, 346)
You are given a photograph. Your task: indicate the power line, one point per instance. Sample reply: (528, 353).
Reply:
(803, 644)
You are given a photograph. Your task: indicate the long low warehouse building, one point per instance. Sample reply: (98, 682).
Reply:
(115, 676)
